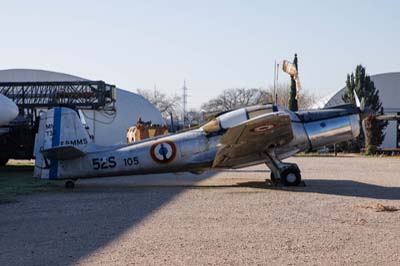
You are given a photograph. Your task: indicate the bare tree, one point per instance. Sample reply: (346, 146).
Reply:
(236, 98)
(167, 105)
(195, 117)
(305, 99)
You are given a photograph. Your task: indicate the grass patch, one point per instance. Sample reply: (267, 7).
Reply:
(342, 154)
(16, 179)
(315, 154)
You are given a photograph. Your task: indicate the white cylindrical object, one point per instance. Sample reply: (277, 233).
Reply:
(8, 110)
(233, 118)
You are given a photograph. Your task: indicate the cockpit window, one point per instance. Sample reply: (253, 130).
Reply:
(226, 120)
(233, 118)
(258, 110)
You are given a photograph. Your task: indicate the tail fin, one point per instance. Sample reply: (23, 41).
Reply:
(60, 130)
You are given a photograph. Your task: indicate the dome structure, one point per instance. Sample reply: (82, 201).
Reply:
(107, 129)
(388, 85)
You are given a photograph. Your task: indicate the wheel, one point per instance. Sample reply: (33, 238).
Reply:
(291, 176)
(69, 184)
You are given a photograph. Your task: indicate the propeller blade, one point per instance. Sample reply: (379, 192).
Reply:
(362, 104)
(358, 104)
(363, 127)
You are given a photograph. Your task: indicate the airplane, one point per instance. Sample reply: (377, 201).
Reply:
(8, 110)
(262, 134)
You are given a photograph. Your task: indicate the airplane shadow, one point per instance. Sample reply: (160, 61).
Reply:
(61, 228)
(245, 171)
(348, 188)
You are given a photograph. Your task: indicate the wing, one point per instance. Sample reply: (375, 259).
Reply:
(246, 142)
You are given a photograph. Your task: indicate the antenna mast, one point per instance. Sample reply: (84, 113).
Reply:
(185, 89)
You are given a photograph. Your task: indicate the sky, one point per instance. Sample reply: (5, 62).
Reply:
(213, 45)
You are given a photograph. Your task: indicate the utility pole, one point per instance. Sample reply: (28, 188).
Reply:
(185, 89)
(273, 96)
(277, 84)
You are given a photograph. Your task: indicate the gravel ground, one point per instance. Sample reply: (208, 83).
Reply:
(225, 218)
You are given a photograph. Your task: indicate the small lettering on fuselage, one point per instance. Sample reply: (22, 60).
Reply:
(102, 163)
(131, 161)
(74, 142)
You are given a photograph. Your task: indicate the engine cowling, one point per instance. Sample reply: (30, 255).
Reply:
(330, 131)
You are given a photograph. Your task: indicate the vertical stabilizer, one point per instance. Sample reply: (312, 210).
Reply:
(58, 127)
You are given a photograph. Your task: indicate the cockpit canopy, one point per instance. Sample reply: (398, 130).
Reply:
(233, 118)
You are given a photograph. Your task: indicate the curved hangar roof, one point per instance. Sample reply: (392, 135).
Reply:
(388, 85)
(107, 130)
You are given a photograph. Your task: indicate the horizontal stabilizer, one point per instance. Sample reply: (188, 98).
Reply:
(62, 153)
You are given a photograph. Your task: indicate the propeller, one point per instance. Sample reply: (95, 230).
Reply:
(365, 111)
(360, 105)
(368, 115)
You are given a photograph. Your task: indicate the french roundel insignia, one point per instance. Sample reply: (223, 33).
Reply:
(263, 128)
(163, 151)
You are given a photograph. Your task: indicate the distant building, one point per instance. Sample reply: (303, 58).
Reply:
(388, 85)
(107, 129)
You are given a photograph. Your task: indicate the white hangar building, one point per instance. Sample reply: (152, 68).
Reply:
(107, 129)
(388, 85)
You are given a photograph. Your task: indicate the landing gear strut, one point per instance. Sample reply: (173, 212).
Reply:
(69, 184)
(288, 174)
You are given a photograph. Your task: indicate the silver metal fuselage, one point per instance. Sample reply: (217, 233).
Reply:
(195, 150)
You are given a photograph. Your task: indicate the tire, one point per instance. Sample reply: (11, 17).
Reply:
(291, 177)
(69, 184)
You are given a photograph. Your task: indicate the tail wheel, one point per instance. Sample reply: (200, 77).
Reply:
(291, 177)
(69, 184)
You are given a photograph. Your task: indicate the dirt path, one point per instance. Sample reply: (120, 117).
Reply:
(228, 218)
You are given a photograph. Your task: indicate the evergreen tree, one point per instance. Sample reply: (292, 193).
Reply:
(372, 131)
(364, 87)
(293, 105)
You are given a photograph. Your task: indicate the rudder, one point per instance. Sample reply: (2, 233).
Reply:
(58, 127)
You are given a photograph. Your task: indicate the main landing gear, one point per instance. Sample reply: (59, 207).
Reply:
(288, 174)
